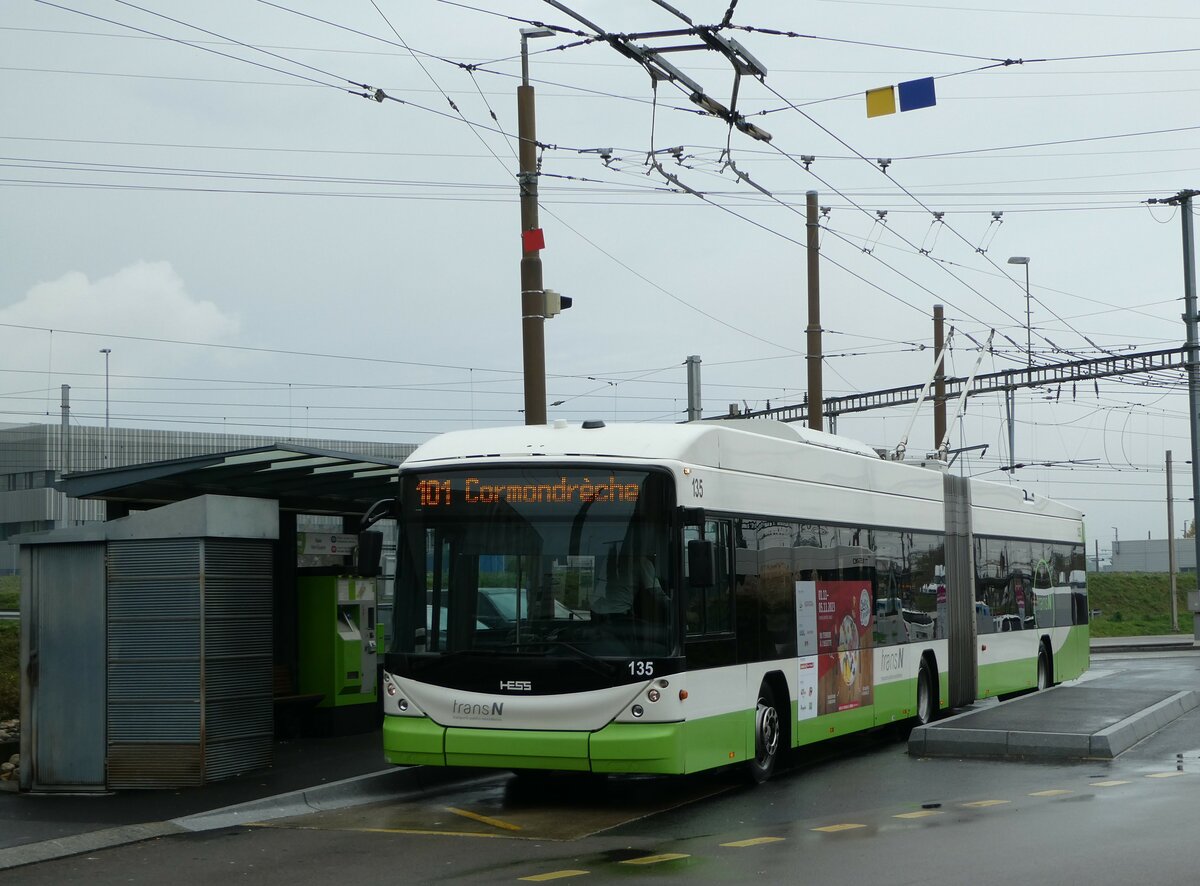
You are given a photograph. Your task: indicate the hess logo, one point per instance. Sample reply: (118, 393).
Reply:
(516, 686)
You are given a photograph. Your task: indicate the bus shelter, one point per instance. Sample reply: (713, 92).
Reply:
(163, 647)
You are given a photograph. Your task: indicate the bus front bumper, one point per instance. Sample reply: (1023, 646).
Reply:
(618, 747)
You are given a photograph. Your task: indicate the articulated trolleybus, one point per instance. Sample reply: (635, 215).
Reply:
(674, 598)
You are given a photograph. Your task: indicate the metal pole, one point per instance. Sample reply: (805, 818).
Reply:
(1171, 544)
(1028, 325)
(65, 432)
(533, 320)
(939, 373)
(1010, 403)
(693, 388)
(106, 352)
(816, 398)
(1189, 317)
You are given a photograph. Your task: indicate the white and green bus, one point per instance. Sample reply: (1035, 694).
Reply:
(674, 598)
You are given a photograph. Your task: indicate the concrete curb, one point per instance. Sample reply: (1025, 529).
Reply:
(1122, 736)
(373, 787)
(945, 740)
(370, 788)
(1117, 649)
(76, 844)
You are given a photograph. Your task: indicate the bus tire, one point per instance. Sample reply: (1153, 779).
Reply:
(768, 736)
(926, 694)
(1044, 678)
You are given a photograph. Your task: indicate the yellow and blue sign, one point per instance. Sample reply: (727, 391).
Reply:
(914, 94)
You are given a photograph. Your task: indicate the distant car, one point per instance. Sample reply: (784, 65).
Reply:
(500, 605)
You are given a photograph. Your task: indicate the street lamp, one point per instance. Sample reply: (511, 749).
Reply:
(106, 352)
(533, 295)
(1024, 260)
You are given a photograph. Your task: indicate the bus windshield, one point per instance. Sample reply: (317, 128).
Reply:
(536, 560)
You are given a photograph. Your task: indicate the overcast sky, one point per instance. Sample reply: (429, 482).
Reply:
(196, 187)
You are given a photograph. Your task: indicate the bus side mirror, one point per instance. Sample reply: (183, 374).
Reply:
(701, 571)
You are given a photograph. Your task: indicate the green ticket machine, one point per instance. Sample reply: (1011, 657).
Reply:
(338, 655)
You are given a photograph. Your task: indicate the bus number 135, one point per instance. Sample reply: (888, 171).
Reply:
(641, 668)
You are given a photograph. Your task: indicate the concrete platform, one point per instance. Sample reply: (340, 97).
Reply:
(1067, 722)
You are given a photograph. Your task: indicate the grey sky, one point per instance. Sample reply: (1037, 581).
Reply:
(268, 254)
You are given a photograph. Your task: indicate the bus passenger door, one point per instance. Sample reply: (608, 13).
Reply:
(708, 594)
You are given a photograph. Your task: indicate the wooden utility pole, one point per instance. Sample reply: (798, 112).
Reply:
(533, 296)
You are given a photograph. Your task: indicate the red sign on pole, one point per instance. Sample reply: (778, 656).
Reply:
(533, 240)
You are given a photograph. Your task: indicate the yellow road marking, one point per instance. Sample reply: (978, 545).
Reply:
(554, 875)
(424, 832)
(920, 813)
(1165, 774)
(1108, 784)
(484, 819)
(980, 804)
(1055, 792)
(834, 828)
(656, 859)
(753, 841)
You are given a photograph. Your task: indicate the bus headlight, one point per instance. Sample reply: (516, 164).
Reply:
(402, 704)
(653, 695)
(636, 710)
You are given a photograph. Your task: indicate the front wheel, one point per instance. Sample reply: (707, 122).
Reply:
(768, 729)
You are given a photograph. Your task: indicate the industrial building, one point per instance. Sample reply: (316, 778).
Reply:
(33, 457)
(1153, 555)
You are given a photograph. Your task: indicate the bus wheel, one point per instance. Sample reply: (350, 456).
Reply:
(926, 704)
(767, 733)
(1043, 673)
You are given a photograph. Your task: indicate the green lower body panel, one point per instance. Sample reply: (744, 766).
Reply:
(830, 725)
(1007, 676)
(660, 748)
(414, 741)
(895, 701)
(1074, 657)
(718, 741)
(640, 747)
(517, 749)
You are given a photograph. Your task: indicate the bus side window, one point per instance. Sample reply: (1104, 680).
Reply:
(709, 597)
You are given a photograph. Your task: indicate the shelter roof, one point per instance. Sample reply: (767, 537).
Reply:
(301, 478)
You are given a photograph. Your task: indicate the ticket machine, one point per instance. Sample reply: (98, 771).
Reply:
(338, 653)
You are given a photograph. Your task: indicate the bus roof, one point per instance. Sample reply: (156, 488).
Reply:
(676, 442)
(758, 446)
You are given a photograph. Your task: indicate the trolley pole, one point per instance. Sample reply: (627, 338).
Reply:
(939, 375)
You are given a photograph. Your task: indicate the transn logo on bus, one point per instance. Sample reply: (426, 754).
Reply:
(516, 686)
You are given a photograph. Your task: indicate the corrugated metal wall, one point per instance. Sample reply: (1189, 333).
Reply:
(238, 685)
(189, 660)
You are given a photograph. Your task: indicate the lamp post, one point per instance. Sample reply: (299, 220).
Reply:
(533, 296)
(1024, 260)
(106, 352)
(107, 443)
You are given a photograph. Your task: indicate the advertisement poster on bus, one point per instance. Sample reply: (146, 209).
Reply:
(806, 649)
(845, 618)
